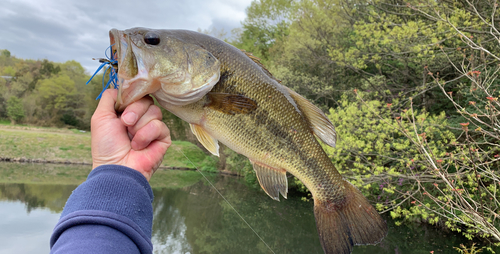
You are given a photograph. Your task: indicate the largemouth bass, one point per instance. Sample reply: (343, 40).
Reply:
(227, 96)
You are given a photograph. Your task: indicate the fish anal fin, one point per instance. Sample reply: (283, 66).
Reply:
(231, 103)
(317, 120)
(353, 221)
(211, 144)
(273, 181)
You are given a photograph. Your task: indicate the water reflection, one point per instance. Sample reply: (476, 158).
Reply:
(195, 219)
(25, 232)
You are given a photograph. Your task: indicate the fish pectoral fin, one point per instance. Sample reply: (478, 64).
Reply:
(317, 120)
(272, 180)
(210, 143)
(231, 103)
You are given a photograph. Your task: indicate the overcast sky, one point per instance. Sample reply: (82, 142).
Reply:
(62, 30)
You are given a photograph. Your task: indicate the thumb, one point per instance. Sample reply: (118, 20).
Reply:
(107, 102)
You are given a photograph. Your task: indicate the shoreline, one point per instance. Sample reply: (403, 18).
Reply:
(22, 144)
(67, 162)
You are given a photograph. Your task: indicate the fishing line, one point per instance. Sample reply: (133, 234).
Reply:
(228, 203)
(111, 64)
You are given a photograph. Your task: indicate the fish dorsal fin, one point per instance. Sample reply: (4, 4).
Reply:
(231, 103)
(211, 144)
(317, 120)
(273, 181)
(257, 61)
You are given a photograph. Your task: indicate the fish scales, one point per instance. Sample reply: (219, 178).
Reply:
(299, 152)
(227, 96)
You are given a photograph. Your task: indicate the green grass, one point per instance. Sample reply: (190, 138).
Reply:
(177, 153)
(33, 144)
(74, 146)
(4, 122)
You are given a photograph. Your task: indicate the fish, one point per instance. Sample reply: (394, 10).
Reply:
(226, 95)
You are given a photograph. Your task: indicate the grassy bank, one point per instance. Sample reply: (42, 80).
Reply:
(74, 146)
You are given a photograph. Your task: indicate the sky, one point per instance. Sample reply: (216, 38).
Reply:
(62, 30)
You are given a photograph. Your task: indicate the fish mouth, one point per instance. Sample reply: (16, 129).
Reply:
(133, 76)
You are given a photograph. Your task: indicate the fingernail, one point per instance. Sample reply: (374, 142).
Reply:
(129, 118)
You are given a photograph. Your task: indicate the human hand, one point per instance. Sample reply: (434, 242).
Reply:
(137, 139)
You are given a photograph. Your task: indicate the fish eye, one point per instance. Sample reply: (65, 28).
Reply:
(152, 38)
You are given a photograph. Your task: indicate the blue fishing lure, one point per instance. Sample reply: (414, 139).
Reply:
(111, 64)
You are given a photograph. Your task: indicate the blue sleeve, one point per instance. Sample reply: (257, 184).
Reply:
(111, 212)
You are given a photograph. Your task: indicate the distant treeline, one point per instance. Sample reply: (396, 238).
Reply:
(46, 93)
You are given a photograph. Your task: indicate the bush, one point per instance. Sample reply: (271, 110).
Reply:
(15, 110)
(410, 163)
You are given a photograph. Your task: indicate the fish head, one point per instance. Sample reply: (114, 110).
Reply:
(152, 61)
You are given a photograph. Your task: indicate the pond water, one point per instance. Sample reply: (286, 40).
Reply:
(191, 217)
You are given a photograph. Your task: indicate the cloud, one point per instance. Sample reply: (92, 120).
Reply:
(62, 30)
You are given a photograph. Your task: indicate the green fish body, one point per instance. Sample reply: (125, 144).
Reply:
(249, 111)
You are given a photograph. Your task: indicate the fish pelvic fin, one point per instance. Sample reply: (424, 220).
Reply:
(210, 143)
(354, 221)
(320, 125)
(273, 181)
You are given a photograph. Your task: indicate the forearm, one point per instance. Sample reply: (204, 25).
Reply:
(110, 212)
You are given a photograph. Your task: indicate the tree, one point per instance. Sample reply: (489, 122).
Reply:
(55, 94)
(3, 91)
(304, 64)
(6, 53)
(15, 110)
(266, 25)
(428, 113)
(472, 197)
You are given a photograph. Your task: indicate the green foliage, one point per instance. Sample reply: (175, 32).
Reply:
(52, 94)
(55, 91)
(6, 53)
(421, 142)
(3, 90)
(9, 71)
(15, 109)
(187, 155)
(373, 152)
(266, 25)
(240, 164)
(179, 129)
(472, 250)
(302, 60)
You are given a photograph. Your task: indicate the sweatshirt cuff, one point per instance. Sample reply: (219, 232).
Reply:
(108, 191)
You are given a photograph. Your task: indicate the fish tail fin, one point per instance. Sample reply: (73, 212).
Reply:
(354, 221)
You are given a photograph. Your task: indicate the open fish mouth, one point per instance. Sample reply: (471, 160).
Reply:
(132, 75)
(115, 46)
(178, 72)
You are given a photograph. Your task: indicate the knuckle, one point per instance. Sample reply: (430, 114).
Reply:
(155, 111)
(157, 125)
